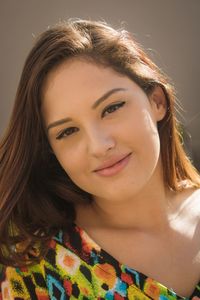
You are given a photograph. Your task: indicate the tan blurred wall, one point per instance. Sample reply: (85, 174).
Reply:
(171, 29)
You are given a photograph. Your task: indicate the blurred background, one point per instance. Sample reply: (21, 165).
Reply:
(168, 30)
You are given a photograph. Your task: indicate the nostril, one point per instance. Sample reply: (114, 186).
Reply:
(100, 142)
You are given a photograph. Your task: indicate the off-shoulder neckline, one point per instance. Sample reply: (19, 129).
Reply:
(110, 259)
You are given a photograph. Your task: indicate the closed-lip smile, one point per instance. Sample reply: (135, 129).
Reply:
(113, 166)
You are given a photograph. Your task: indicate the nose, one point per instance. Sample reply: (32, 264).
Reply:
(100, 141)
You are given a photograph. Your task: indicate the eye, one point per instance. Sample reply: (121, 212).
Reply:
(112, 108)
(66, 132)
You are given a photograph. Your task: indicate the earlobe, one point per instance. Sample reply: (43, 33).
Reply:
(158, 103)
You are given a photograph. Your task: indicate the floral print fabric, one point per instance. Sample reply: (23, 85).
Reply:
(75, 267)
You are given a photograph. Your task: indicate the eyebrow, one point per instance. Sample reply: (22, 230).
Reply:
(94, 106)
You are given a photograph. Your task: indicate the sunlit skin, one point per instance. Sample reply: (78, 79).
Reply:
(94, 116)
(100, 135)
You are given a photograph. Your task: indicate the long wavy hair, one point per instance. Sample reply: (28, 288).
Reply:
(36, 195)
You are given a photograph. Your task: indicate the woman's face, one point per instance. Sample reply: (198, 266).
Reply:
(102, 128)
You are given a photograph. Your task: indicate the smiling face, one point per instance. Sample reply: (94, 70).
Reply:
(102, 128)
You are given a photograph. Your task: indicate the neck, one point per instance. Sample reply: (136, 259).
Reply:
(146, 211)
(149, 210)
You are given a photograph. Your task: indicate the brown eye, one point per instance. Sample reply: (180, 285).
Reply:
(112, 108)
(66, 132)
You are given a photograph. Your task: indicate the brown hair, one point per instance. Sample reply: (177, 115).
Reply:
(36, 195)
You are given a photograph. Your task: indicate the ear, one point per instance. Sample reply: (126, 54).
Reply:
(158, 103)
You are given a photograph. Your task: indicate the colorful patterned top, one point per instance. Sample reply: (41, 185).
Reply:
(75, 267)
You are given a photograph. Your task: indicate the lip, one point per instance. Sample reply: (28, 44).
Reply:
(113, 166)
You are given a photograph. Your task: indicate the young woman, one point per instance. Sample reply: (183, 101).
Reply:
(98, 199)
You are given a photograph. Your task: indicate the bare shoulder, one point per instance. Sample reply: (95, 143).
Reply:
(186, 225)
(190, 203)
(185, 214)
(188, 215)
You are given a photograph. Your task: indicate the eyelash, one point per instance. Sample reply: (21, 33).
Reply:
(115, 106)
(110, 109)
(66, 132)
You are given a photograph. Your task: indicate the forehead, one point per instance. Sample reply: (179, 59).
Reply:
(80, 73)
(76, 82)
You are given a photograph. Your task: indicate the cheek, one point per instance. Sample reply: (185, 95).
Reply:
(65, 157)
(79, 174)
(144, 140)
(152, 135)
(75, 164)
(71, 162)
(140, 130)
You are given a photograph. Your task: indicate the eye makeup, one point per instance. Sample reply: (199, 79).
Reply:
(109, 109)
